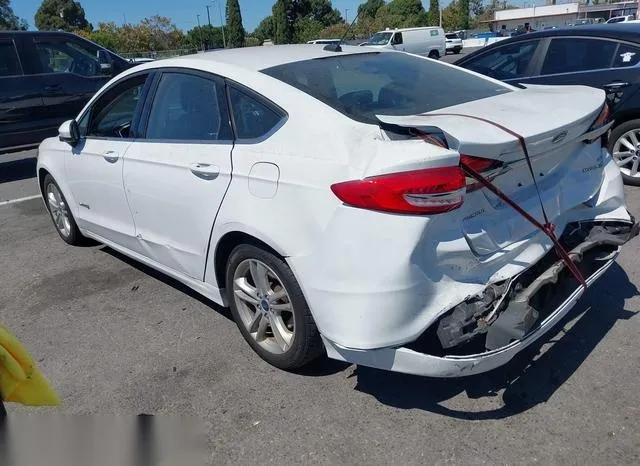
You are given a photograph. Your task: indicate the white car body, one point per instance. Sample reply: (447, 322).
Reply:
(453, 43)
(421, 40)
(621, 19)
(374, 282)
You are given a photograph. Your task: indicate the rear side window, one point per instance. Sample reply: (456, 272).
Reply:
(253, 119)
(189, 108)
(571, 54)
(627, 55)
(385, 83)
(9, 63)
(506, 62)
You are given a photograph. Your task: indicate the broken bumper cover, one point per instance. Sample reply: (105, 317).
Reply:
(409, 361)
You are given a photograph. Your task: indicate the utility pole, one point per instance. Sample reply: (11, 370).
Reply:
(208, 15)
(224, 41)
(200, 32)
(346, 15)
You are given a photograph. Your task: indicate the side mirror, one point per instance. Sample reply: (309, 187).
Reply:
(69, 132)
(105, 60)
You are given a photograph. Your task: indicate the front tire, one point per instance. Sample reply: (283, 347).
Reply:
(60, 213)
(269, 308)
(624, 145)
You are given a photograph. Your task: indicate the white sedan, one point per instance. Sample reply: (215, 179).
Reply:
(372, 205)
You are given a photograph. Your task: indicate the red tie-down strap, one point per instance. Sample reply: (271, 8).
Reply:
(547, 228)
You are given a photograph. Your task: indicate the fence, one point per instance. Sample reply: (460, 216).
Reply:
(157, 55)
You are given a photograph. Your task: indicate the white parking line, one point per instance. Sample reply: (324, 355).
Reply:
(22, 199)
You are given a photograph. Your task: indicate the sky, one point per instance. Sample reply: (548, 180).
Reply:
(181, 12)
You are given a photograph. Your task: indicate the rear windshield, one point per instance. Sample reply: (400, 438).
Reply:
(389, 83)
(451, 36)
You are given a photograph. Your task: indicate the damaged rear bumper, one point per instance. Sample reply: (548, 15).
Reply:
(595, 254)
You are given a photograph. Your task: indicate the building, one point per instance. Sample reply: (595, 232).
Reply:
(561, 15)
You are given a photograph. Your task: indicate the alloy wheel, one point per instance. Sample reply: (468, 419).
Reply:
(59, 210)
(264, 306)
(626, 153)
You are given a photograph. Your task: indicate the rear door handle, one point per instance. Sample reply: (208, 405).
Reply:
(52, 88)
(615, 86)
(205, 170)
(111, 156)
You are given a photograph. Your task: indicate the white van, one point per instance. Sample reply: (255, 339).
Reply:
(428, 41)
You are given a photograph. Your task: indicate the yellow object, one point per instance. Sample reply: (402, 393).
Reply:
(20, 380)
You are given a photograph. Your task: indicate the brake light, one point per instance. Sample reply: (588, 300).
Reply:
(418, 192)
(603, 118)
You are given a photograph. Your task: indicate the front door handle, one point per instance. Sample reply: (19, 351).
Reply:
(615, 86)
(205, 170)
(111, 156)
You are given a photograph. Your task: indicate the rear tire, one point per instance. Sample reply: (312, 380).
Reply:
(434, 54)
(457, 51)
(269, 308)
(60, 213)
(622, 136)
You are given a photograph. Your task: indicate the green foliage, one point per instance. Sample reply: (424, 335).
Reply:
(8, 20)
(369, 9)
(284, 16)
(463, 8)
(66, 15)
(307, 29)
(433, 15)
(235, 30)
(298, 21)
(205, 36)
(265, 30)
(252, 41)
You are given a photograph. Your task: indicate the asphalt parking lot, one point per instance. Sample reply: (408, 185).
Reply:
(115, 337)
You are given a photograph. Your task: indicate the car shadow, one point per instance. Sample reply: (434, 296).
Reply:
(18, 170)
(531, 378)
(223, 311)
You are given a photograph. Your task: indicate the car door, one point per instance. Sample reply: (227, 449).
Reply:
(20, 100)
(178, 173)
(512, 62)
(69, 73)
(93, 169)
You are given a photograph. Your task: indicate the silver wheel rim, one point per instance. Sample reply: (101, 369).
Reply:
(264, 306)
(626, 153)
(59, 210)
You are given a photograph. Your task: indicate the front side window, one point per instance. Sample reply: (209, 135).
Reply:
(189, 108)
(380, 38)
(67, 56)
(368, 84)
(397, 38)
(9, 63)
(253, 119)
(112, 114)
(572, 54)
(507, 62)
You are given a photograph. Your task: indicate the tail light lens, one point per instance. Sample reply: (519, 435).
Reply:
(603, 118)
(418, 192)
(490, 167)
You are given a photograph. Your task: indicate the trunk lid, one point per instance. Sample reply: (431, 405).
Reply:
(553, 122)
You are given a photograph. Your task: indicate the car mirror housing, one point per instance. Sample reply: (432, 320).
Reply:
(69, 132)
(105, 61)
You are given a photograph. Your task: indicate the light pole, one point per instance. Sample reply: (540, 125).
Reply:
(224, 41)
(208, 15)
(346, 15)
(200, 32)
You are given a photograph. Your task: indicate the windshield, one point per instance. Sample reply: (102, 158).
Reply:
(619, 19)
(380, 38)
(368, 84)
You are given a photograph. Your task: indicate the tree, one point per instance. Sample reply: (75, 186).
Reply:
(307, 29)
(464, 13)
(451, 17)
(235, 30)
(477, 7)
(265, 30)
(406, 8)
(323, 12)
(66, 15)
(8, 20)
(284, 16)
(205, 36)
(369, 9)
(252, 41)
(337, 31)
(106, 34)
(433, 15)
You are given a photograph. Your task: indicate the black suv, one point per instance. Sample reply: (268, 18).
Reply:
(45, 79)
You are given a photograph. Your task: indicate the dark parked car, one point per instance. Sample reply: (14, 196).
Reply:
(45, 79)
(604, 56)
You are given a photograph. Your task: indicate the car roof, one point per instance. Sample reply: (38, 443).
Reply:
(619, 31)
(35, 33)
(260, 58)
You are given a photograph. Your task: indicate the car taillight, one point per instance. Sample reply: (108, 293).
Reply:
(603, 118)
(490, 167)
(417, 192)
